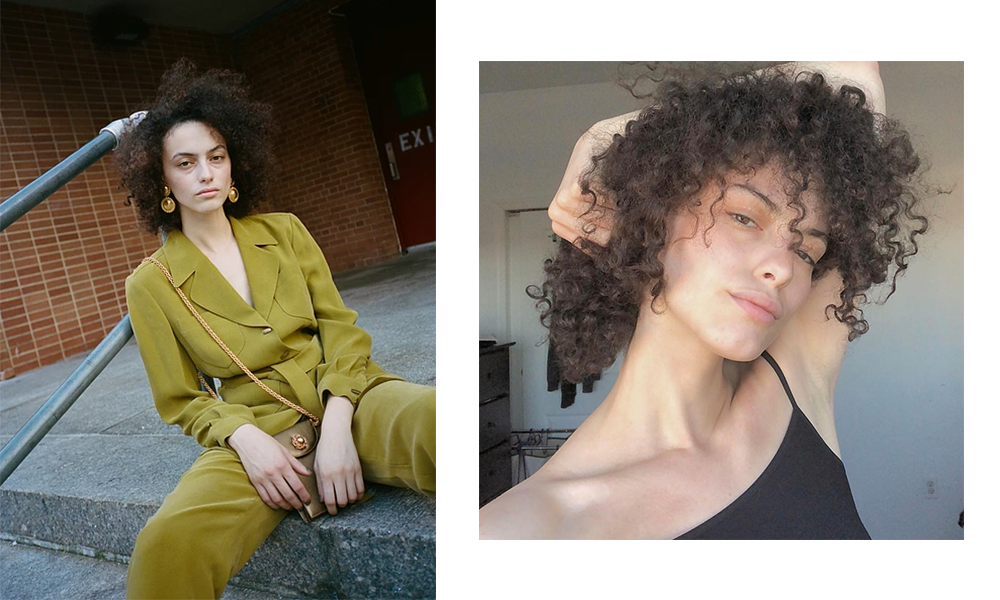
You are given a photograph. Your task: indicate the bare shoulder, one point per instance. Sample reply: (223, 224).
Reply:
(529, 510)
(813, 344)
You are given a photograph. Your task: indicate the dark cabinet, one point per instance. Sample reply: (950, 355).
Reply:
(494, 421)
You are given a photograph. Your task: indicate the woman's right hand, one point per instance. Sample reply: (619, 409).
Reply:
(569, 204)
(271, 468)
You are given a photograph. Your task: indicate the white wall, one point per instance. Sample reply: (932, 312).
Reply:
(525, 139)
(899, 400)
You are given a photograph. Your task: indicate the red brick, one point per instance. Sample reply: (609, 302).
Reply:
(328, 163)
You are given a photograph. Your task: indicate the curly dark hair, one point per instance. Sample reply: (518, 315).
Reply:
(219, 99)
(861, 165)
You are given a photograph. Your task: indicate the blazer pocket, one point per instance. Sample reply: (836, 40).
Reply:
(292, 295)
(204, 350)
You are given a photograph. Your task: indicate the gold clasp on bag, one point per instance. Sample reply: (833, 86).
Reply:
(299, 442)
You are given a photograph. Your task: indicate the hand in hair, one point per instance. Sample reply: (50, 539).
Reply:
(570, 210)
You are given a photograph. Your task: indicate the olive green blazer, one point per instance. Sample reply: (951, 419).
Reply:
(298, 337)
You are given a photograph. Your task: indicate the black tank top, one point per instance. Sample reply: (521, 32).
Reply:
(802, 494)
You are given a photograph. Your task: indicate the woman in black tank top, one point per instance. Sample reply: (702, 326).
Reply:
(715, 216)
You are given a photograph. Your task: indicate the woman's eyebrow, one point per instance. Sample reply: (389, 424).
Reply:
(193, 154)
(773, 209)
(771, 206)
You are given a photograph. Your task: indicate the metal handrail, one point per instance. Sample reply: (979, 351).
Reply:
(63, 398)
(52, 180)
(15, 207)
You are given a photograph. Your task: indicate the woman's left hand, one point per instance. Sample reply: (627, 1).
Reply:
(338, 470)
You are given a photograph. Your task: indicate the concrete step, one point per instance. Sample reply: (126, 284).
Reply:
(75, 577)
(97, 491)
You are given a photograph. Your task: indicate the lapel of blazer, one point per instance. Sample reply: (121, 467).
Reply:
(260, 261)
(210, 290)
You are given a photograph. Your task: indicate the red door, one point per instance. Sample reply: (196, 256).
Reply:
(394, 48)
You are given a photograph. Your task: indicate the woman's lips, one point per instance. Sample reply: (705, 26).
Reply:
(758, 313)
(208, 193)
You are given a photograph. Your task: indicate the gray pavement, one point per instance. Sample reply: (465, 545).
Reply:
(90, 483)
(73, 577)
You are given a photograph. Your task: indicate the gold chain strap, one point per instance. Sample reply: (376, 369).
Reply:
(276, 395)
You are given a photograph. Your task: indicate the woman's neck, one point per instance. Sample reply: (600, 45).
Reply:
(673, 391)
(211, 233)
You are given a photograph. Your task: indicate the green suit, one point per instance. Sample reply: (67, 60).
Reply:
(300, 340)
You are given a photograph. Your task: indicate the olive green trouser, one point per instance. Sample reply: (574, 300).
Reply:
(214, 520)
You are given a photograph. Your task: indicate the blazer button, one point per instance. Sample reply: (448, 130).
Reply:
(267, 330)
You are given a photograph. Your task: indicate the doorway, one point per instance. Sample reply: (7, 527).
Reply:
(394, 46)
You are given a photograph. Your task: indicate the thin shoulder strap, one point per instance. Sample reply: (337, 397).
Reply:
(781, 376)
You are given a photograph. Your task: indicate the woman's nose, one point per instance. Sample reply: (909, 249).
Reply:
(204, 172)
(776, 264)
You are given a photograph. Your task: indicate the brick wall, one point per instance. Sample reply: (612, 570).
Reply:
(62, 266)
(300, 63)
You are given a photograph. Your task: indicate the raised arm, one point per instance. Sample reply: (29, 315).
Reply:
(569, 204)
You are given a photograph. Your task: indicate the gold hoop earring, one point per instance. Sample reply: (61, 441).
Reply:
(167, 204)
(234, 194)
